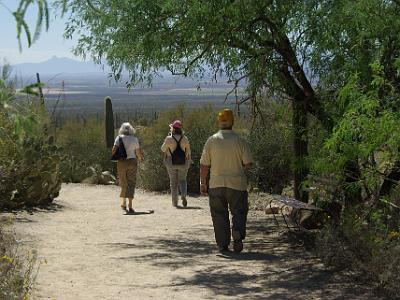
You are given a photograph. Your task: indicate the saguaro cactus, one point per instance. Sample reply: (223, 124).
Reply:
(109, 122)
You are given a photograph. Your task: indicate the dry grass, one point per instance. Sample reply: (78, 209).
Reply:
(17, 269)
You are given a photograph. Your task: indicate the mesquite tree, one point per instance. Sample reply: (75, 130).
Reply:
(257, 41)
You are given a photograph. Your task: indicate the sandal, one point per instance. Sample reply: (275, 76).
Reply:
(123, 207)
(131, 211)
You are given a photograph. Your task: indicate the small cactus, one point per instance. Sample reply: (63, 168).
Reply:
(109, 122)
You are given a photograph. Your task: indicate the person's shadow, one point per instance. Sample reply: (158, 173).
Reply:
(137, 213)
(189, 207)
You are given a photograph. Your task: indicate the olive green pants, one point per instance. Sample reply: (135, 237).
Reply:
(221, 201)
(127, 169)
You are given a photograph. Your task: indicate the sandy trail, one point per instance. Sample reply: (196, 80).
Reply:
(93, 251)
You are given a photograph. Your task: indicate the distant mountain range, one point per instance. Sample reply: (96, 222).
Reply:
(56, 65)
(79, 72)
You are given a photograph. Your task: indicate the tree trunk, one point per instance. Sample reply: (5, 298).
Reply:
(352, 173)
(300, 145)
(390, 180)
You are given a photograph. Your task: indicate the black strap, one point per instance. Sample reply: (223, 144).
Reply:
(120, 141)
(178, 142)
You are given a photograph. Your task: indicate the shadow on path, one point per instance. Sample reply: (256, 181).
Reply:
(269, 267)
(137, 213)
(50, 208)
(189, 207)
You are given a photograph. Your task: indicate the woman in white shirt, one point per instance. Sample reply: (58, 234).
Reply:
(127, 168)
(177, 160)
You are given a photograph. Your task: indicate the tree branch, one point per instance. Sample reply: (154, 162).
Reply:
(236, 84)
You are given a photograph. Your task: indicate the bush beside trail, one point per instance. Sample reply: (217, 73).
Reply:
(29, 159)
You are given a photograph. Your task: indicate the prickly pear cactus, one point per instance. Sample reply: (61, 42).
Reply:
(109, 122)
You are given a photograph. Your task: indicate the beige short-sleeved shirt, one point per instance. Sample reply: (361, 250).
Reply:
(226, 154)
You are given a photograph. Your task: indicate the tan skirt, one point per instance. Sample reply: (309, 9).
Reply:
(127, 177)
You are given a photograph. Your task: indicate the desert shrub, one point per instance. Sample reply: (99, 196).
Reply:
(270, 143)
(29, 168)
(31, 177)
(29, 160)
(16, 270)
(84, 149)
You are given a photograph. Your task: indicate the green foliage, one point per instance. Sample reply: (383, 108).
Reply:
(29, 160)
(29, 163)
(270, 142)
(31, 89)
(19, 14)
(368, 132)
(32, 176)
(366, 236)
(348, 36)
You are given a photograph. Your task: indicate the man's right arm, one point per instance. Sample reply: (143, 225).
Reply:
(205, 163)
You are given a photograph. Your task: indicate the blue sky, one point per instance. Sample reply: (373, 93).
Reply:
(50, 43)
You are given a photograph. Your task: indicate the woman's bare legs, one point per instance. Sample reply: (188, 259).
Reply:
(130, 203)
(123, 202)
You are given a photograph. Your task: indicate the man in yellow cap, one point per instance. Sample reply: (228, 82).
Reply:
(226, 156)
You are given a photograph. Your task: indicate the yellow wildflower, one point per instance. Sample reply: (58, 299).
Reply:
(394, 234)
(7, 258)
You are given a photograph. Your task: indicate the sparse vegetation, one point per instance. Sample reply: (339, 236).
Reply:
(29, 159)
(84, 149)
(17, 270)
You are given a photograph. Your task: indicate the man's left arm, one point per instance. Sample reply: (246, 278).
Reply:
(204, 170)
(247, 158)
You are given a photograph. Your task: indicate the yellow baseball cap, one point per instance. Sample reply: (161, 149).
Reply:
(226, 115)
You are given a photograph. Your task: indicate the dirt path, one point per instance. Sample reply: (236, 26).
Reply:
(93, 251)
